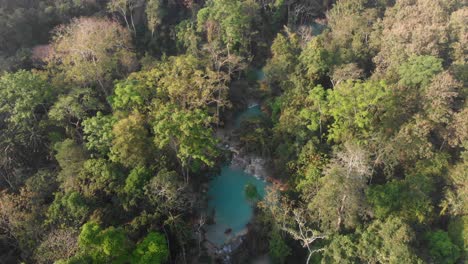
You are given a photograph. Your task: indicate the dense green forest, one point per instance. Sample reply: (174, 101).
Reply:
(110, 110)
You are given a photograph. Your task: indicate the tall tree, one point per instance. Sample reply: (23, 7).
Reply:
(24, 100)
(92, 51)
(131, 144)
(229, 22)
(340, 201)
(187, 133)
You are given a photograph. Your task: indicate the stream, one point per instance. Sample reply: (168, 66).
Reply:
(227, 202)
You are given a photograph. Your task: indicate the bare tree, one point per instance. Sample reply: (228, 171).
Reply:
(292, 219)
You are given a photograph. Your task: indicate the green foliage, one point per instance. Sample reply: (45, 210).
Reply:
(278, 249)
(341, 249)
(251, 192)
(315, 109)
(388, 242)
(356, 107)
(153, 249)
(24, 96)
(364, 121)
(441, 248)
(187, 133)
(69, 209)
(134, 184)
(131, 144)
(314, 60)
(134, 92)
(98, 133)
(70, 157)
(99, 177)
(419, 70)
(309, 169)
(285, 50)
(456, 194)
(72, 108)
(136, 180)
(187, 36)
(458, 233)
(104, 245)
(352, 31)
(410, 198)
(233, 20)
(186, 81)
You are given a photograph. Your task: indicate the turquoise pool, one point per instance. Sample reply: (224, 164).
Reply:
(231, 208)
(251, 111)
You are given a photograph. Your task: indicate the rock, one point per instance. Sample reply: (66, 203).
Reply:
(228, 231)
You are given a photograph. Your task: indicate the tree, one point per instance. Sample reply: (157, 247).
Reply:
(153, 249)
(308, 169)
(98, 133)
(455, 201)
(414, 28)
(68, 209)
(285, 52)
(440, 98)
(134, 184)
(350, 71)
(441, 248)
(20, 222)
(315, 111)
(136, 92)
(278, 249)
(341, 249)
(131, 144)
(352, 31)
(409, 199)
(187, 37)
(187, 133)
(411, 142)
(387, 242)
(457, 33)
(356, 108)
(72, 108)
(58, 244)
(253, 135)
(340, 200)
(99, 178)
(314, 60)
(24, 99)
(418, 71)
(458, 129)
(154, 14)
(91, 51)
(293, 220)
(186, 82)
(25, 96)
(70, 157)
(104, 245)
(229, 22)
(125, 8)
(251, 192)
(167, 193)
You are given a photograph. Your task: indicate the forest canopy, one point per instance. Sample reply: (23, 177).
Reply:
(113, 120)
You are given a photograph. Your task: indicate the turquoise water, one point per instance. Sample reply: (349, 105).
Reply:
(231, 207)
(249, 112)
(260, 75)
(317, 28)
